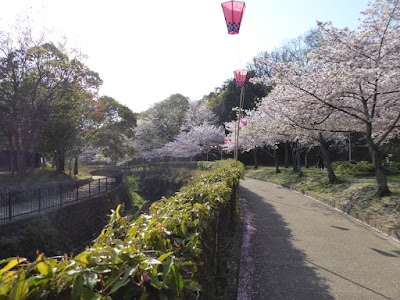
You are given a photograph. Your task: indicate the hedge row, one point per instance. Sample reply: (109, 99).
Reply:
(167, 254)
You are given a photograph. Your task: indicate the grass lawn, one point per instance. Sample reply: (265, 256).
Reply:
(357, 194)
(41, 175)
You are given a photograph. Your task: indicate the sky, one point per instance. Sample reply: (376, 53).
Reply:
(146, 51)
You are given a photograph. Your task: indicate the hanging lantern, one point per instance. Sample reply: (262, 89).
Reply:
(240, 126)
(215, 147)
(233, 12)
(230, 139)
(225, 142)
(244, 121)
(240, 76)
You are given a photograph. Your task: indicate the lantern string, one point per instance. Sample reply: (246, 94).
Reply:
(238, 47)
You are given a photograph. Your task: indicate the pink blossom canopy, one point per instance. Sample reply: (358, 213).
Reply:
(240, 76)
(233, 12)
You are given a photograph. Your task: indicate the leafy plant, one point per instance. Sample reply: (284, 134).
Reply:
(164, 254)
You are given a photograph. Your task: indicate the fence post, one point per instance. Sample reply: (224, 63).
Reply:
(89, 189)
(106, 183)
(9, 206)
(99, 187)
(39, 196)
(77, 191)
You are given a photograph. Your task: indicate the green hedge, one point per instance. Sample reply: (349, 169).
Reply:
(363, 167)
(167, 254)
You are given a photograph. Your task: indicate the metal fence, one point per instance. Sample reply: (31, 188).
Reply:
(19, 202)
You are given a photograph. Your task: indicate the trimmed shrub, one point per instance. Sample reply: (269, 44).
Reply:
(172, 252)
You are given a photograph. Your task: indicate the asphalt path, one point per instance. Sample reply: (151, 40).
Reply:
(295, 247)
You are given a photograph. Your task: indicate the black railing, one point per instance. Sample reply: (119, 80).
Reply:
(17, 202)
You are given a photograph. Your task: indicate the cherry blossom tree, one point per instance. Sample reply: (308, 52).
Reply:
(351, 82)
(197, 114)
(200, 139)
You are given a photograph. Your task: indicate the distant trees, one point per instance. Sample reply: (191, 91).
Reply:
(114, 136)
(49, 102)
(160, 124)
(224, 99)
(198, 133)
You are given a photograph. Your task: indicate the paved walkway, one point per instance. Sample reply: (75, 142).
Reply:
(297, 248)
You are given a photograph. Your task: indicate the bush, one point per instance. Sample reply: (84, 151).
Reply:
(353, 167)
(167, 253)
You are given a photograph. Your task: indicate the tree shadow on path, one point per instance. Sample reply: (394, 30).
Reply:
(271, 267)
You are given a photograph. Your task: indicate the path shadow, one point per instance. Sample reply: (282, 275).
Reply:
(387, 254)
(341, 228)
(272, 267)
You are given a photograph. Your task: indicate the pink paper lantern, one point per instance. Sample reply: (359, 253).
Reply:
(233, 12)
(244, 121)
(230, 139)
(240, 126)
(215, 147)
(225, 142)
(240, 76)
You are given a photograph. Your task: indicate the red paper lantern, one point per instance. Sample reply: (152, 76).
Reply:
(240, 126)
(240, 76)
(230, 139)
(244, 121)
(233, 12)
(225, 142)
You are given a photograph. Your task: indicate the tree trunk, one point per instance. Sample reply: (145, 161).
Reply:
(60, 160)
(20, 157)
(286, 155)
(11, 162)
(327, 159)
(20, 163)
(298, 161)
(76, 164)
(294, 157)
(383, 189)
(255, 158)
(306, 159)
(277, 171)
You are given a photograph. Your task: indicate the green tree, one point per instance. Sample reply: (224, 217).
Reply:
(224, 99)
(114, 137)
(162, 123)
(34, 74)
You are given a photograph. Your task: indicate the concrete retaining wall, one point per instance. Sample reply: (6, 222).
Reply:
(55, 232)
